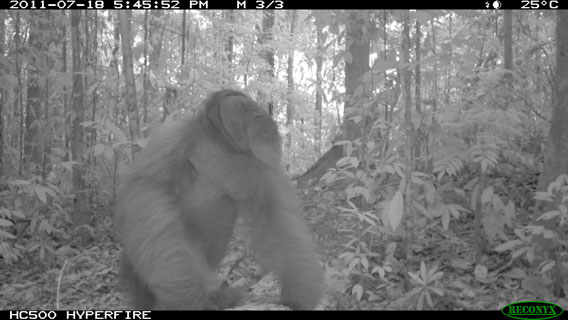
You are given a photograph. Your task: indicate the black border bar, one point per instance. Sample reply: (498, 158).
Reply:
(283, 4)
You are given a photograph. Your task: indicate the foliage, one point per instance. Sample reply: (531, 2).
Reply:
(526, 247)
(479, 129)
(31, 211)
(426, 284)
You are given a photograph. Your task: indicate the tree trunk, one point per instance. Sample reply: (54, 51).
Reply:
(318, 143)
(357, 50)
(230, 19)
(183, 36)
(128, 71)
(417, 93)
(33, 149)
(556, 152)
(77, 140)
(18, 105)
(146, 73)
(408, 133)
(114, 66)
(508, 44)
(449, 65)
(2, 93)
(156, 37)
(290, 77)
(265, 40)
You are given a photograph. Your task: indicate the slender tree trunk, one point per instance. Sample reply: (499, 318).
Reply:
(449, 66)
(94, 62)
(77, 138)
(2, 93)
(183, 36)
(156, 37)
(291, 87)
(508, 46)
(146, 74)
(116, 94)
(318, 143)
(39, 22)
(18, 105)
(265, 40)
(408, 132)
(114, 64)
(435, 95)
(229, 44)
(388, 108)
(417, 92)
(128, 72)
(66, 89)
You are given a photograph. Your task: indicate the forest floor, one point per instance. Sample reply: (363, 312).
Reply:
(87, 277)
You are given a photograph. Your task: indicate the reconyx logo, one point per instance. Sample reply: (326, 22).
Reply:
(532, 310)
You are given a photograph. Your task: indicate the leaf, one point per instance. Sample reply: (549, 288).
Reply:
(87, 123)
(5, 223)
(549, 215)
(399, 170)
(438, 291)
(434, 274)
(417, 180)
(358, 291)
(429, 299)
(353, 263)
(430, 192)
(508, 245)
(20, 183)
(46, 227)
(535, 285)
(40, 192)
(365, 263)
(423, 271)
(68, 165)
(18, 214)
(486, 195)
(396, 210)
(480, 271)
(515, 273)
(445, 219)
(108, 153)
(5, 234)
(416, 278)
(378, 270)
(347, 256)
(547, 266)
(98, 149)
(368, 219)
(52, 191)
(420, 304)
(543, 196)
(455, 209)
(92, 88)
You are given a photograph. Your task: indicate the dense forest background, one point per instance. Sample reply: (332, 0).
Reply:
(431, 147)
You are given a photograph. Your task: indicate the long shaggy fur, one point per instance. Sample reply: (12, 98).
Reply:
(181, 199)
